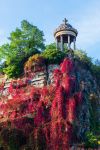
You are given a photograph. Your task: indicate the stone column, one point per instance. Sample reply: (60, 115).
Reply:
(68, 41)
(56, 43)
(74, 42)
(61, 39)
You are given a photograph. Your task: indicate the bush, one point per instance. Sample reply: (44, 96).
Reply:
(14, 138)
(91, 140)
(83, 58)
(96, 72)
(53, 56)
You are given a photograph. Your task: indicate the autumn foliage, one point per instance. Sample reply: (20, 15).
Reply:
(45, 114)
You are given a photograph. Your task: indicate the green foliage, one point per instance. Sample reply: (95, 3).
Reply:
(91, 140)
(1, 67)
(94, 68)
(52, 55)
(94, 124)
(24, 42)
(51, 46)
(13, 138)
(83, 58)
(13, 70)
(96, 71)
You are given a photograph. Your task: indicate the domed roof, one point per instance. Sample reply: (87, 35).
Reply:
(65, 26)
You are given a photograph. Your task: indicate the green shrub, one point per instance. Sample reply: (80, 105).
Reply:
(96, 72)
(83, 58)
(91, 140)
(53, 55)
(13, 138)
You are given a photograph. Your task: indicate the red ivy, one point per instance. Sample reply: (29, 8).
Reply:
(53, 108)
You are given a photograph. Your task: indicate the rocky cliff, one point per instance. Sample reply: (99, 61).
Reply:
(52, 105)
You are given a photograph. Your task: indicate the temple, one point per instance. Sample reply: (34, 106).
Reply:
(64, 35)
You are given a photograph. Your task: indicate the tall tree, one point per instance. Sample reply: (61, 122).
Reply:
(24, 42)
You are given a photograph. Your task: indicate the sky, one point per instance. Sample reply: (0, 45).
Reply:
(47, 15)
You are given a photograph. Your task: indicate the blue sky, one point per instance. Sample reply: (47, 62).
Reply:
(84, 15)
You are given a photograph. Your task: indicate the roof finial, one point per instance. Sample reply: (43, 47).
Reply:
(65, 21)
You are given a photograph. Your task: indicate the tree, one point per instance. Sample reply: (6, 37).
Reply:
(24, 42)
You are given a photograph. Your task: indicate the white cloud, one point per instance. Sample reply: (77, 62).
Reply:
(89, 26)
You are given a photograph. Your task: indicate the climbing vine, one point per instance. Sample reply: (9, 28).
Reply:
(47, 114)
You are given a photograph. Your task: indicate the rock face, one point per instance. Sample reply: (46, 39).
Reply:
(51, 68)
(44, 77)
(89, 111)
